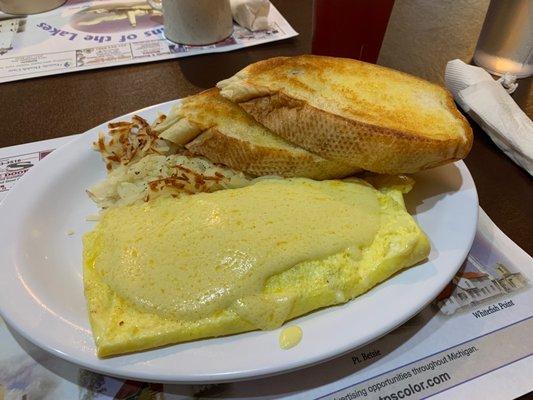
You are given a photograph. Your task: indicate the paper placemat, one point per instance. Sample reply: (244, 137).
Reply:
(85, 35)
(474, 341)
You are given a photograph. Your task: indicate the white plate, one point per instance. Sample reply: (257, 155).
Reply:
(41, 293)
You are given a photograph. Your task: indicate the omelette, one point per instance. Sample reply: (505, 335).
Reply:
(172, 270)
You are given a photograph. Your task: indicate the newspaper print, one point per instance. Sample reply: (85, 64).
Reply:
(84, 35)
(484, 277)
(12, 168)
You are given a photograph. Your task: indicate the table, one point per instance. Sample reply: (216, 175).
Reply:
(61, 105)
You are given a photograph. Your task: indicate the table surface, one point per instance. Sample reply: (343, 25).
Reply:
(61, 105)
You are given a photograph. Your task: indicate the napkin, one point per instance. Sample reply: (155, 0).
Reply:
(251, 14)
(491, 106)
(8, 30)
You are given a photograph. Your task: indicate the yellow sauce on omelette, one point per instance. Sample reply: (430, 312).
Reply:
(290, 337)
(192, 257)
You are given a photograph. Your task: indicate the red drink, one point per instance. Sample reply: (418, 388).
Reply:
(350, 28)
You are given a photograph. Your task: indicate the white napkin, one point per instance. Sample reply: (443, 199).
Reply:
(251, 14)
(489, 104)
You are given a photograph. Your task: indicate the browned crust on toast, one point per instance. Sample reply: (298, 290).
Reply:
(259, 160)
(363, 145)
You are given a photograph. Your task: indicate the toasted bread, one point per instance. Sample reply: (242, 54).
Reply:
(361, 114)
(216, 128)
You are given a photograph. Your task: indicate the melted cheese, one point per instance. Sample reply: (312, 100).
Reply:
(196, 256)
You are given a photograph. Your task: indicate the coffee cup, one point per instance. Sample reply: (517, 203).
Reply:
(25, 7)
(195, 22)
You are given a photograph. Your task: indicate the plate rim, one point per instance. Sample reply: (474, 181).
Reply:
(223, 376)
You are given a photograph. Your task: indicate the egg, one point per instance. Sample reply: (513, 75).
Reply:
(213, 264)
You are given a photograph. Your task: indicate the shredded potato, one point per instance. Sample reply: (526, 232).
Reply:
(156, 175)
(128, 142)
(142, 166)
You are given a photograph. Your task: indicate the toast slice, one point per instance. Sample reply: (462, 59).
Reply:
(362, 114)
(216, 128)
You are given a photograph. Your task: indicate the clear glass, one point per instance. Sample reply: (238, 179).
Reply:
(506, 40)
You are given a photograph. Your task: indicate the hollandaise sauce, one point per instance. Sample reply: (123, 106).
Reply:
(192, 257)
(290, 337)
